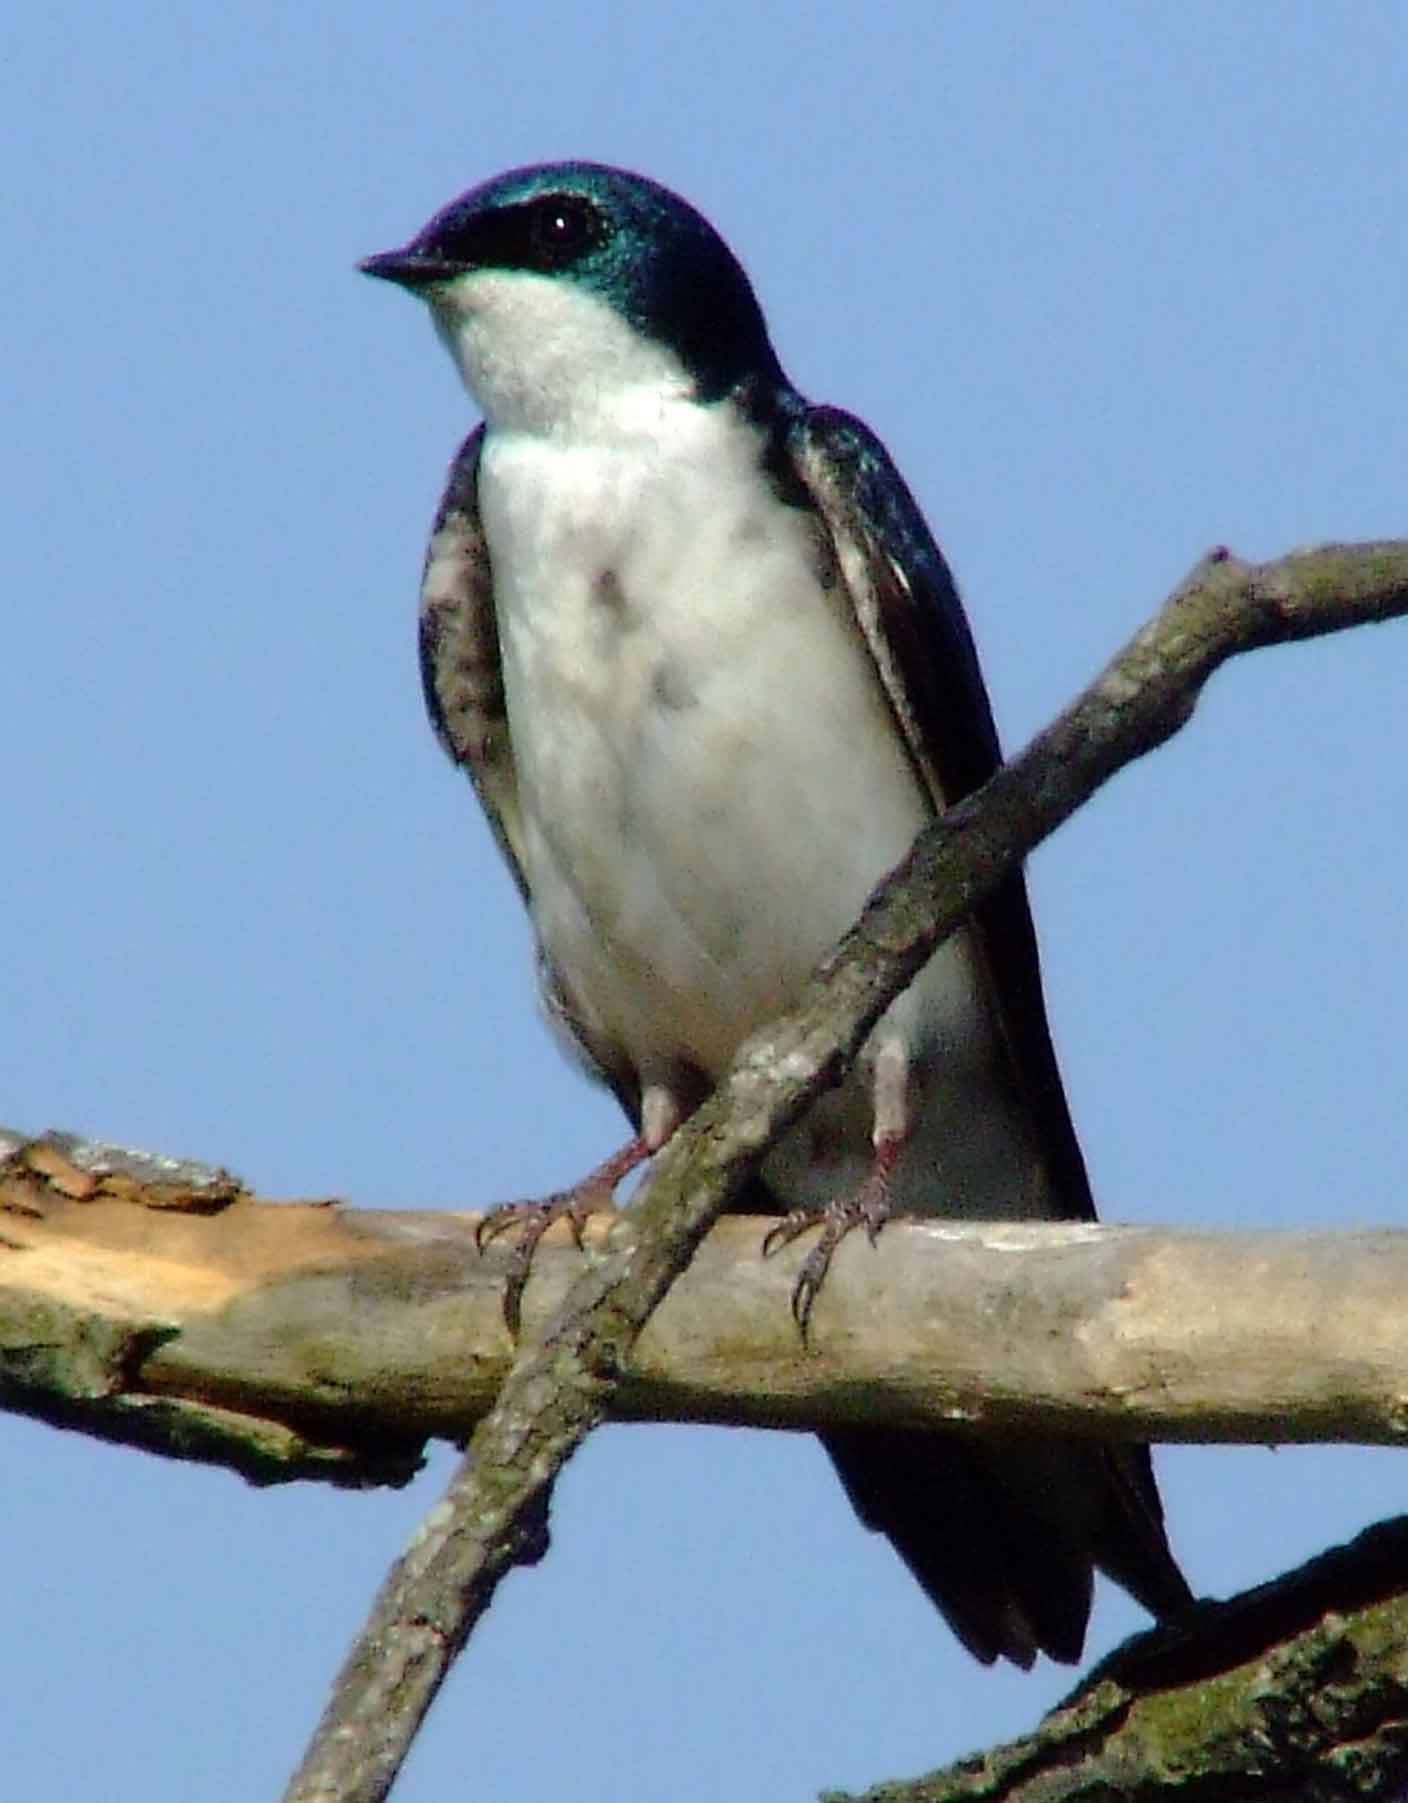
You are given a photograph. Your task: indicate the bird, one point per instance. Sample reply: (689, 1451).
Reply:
(692, 641)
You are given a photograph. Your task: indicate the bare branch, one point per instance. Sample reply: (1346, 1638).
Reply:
(303, 1340)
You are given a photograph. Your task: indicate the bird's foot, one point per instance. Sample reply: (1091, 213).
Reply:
(868, 1207)
(529, 1221)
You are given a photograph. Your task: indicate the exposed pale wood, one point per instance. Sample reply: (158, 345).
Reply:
(298, 1339)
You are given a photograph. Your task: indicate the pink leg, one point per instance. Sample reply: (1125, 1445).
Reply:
(529, 1221)
(868, 1205)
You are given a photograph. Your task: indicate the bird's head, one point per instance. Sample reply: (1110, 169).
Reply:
(564, 286)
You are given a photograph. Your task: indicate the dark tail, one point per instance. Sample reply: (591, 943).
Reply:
(1004, 1536)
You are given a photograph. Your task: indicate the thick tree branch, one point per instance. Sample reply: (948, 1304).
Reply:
(307, 1340)
(1296, 1692)
(159, 1303)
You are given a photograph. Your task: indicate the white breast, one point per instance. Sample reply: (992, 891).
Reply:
(711, 781)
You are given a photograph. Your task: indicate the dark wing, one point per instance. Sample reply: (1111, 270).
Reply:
(462, 677)
(459, 655)
(1009, 1577)
(918, 635)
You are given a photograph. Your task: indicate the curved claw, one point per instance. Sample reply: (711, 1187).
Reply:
(815, 1265)
(867, 1207)
(534, 1218)
(501, 1220)
(529, 1221)
(792, 1226)
(521, 1262)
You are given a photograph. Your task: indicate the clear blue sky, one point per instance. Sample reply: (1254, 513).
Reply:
(1115, 284)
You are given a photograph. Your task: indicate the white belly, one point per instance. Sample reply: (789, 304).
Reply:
(710, 779)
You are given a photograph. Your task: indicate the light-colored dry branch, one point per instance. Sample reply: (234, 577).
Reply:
(311, 1340)
(161, 1303)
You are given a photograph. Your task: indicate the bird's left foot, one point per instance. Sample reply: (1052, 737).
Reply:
(868, 1207)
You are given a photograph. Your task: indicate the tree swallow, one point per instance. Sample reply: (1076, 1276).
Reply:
(696, 649)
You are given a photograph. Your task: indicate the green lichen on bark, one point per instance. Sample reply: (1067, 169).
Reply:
(1296, 1693)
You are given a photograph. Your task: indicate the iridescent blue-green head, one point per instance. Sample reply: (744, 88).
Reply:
(554, 284)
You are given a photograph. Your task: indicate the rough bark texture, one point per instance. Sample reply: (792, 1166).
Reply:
(1296, 1692)
(308, 1340)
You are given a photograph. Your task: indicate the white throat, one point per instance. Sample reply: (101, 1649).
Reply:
(545, 357)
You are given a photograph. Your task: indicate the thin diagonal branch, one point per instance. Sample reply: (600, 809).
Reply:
(494, 1512)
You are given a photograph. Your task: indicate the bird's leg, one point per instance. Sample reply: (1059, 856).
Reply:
(868, 1205)
(593, 1194)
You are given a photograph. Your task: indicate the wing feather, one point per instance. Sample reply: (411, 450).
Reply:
(459, 656)
(908, 609)
(913, 622)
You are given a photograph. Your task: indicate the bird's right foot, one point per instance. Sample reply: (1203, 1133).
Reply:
(527, 1222)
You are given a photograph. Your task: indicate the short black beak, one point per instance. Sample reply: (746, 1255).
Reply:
(410, 268)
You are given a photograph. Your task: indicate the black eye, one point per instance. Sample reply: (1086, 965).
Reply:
(562, 228)
(548, 233)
